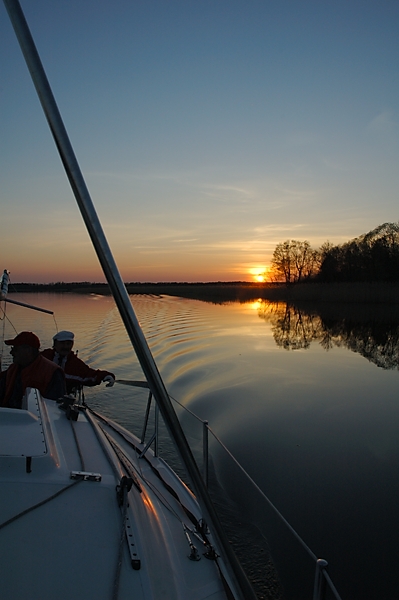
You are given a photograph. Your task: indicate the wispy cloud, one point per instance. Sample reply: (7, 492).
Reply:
(384, 122)
(229, 192)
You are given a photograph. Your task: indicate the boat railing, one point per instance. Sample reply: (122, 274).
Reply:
(322, 579)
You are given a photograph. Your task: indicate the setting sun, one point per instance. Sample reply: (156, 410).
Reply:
(259, 274)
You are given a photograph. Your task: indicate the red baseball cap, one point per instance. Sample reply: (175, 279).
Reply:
(25, 338)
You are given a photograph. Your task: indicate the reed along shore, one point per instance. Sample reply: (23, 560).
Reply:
(219, 292)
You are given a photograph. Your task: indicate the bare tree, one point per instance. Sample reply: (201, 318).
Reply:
(294, 261)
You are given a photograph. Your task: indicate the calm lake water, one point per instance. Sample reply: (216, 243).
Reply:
(307, 402)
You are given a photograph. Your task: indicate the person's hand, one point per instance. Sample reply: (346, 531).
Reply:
(110, 380)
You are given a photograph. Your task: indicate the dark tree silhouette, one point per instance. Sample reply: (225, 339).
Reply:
(373, 256)
(294, 261)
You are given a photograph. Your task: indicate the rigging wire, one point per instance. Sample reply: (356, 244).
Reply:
(4, 318)
(3, 310)
(4, 283)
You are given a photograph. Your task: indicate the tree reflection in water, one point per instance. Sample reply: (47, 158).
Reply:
(371, 331)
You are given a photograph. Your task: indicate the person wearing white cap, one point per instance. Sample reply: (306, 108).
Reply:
(77, 372)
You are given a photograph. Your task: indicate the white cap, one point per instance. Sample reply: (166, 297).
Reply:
(64, 336)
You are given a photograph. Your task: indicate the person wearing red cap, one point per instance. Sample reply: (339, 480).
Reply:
(29, 369)
(77, 372)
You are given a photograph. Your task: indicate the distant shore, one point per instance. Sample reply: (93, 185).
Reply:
(241, 291)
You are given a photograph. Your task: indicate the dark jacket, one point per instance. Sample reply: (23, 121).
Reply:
(77, 373)
(42, 374)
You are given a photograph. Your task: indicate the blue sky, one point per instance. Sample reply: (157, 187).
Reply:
(207, 131)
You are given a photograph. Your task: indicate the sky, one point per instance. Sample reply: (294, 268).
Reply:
(208, 131)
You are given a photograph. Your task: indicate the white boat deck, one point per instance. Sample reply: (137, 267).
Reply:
(68, 546)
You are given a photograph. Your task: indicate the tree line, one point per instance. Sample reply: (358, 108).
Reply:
(373, 256)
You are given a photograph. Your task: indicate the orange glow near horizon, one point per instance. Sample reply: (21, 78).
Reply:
(79, 263)
(259, 274)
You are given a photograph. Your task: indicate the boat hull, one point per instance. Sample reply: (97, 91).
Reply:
(71, 528)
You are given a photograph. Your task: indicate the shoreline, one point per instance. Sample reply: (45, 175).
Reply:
(218, 292)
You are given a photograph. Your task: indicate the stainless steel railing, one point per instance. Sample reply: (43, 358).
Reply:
(322, 580)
